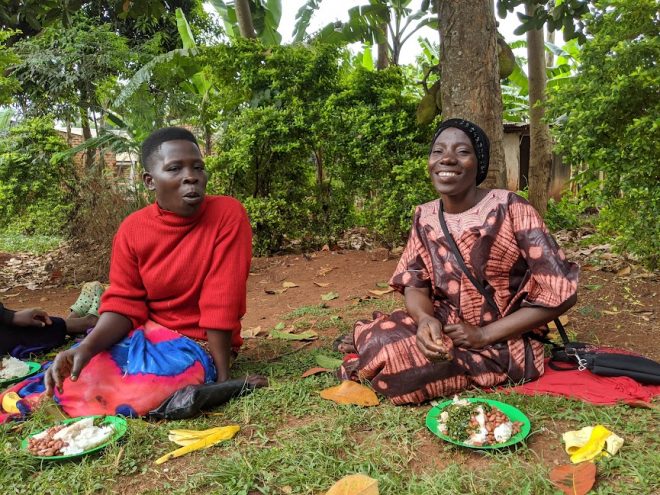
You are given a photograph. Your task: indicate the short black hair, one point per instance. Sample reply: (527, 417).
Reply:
(160, 136)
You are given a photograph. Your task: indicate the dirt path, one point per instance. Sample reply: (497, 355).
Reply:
(618, 310)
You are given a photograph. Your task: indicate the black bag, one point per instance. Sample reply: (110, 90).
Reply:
(192, 399)
(579, 355)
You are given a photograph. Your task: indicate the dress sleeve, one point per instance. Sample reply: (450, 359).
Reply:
(126, 294)
(223, 298)
(553, 279)
(414, 268)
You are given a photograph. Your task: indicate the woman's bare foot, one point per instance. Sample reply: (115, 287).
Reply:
(345, 344)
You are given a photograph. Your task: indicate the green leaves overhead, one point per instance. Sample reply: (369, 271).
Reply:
(565, 15)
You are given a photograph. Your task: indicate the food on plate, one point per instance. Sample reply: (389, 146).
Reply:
(10, 367)
(476, 424)
(74, 438)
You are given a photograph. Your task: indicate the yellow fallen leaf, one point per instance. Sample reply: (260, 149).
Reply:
(349, 392)
(289, 285)
(253, 332)
(563, 319)
(355, 484)
(381, 292)
(321, 284)
(624, 271)
(226, 433)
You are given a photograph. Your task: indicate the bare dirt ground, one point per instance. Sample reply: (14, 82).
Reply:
(616, 309)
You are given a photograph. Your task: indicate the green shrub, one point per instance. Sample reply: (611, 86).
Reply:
(35, 194)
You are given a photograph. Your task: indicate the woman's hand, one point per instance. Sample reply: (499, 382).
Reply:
(429, 339)
(467, 336)
(67, 363)
(33, 317)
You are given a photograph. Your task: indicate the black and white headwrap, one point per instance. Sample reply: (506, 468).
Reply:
(480, 143)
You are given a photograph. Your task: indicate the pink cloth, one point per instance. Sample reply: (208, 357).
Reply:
(586, 386)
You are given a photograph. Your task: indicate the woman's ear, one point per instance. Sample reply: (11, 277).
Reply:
(148, 181)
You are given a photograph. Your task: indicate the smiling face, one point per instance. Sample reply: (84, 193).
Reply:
(453, 163)
(176, 173)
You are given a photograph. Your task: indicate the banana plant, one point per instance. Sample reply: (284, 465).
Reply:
(390, 22)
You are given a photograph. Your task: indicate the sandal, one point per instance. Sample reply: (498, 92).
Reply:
(89, 300)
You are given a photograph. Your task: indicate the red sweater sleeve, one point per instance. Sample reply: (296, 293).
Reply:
(223, 297)
(126, 294)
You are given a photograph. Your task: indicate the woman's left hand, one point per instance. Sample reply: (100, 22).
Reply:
(467, 336)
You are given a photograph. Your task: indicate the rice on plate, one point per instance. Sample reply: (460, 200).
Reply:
(12, 368)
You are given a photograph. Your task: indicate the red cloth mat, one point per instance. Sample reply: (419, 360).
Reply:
(586, 386)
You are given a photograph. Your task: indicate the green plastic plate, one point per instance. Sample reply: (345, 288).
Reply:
(118, 422)
(513, 413)
(34, 367)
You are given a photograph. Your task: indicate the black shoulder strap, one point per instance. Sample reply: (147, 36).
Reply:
(481, 289)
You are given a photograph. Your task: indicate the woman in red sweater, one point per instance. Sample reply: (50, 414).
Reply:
(178, 272)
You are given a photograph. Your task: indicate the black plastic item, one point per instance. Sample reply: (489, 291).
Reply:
(638, 368)
(191, 400)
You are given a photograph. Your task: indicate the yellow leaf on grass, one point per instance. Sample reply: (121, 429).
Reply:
(253, 332)
(381, 292)
(225, 433)
(563, 319)
(355, 484)
(289, 285)
(349, 392)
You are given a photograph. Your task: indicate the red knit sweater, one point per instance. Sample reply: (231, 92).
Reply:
(188, 274)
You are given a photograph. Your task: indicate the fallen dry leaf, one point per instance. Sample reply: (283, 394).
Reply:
(315, 371)
(322, 284)
(289, 285)
(563, 319)
(306, 335)
(325, 247)
(275, 291)
(349, 392)
(355, 484)
(381, 292)
(325, 270)
(330, 296)
(624, 271)
(574, 479)
(253, 332)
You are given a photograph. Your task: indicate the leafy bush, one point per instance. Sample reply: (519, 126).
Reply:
(35, 195)
(565, 213)
(609, 115)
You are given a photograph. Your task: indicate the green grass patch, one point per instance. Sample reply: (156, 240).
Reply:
(35, 244)
(292, 441)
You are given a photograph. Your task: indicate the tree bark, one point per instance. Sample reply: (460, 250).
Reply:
(470, 73)
(383, 56)
(549, 56)
(540, 159)
(244, 18)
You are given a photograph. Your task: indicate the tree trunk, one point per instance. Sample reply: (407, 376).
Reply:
(244, 18)
(470, 73)
(87, 134)
(549, 56)
(383, 56)
(540, 151)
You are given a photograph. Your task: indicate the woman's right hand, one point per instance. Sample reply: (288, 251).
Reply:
(67, 363)
(430, 339)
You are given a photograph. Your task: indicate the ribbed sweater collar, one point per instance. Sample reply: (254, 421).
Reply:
(174, 220)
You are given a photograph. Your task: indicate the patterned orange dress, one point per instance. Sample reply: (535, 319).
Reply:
(508, 248)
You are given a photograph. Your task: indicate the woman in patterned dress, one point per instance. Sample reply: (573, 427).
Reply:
(450, 337)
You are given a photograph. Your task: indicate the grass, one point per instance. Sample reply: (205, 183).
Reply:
(293, 442)
(36, 244)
